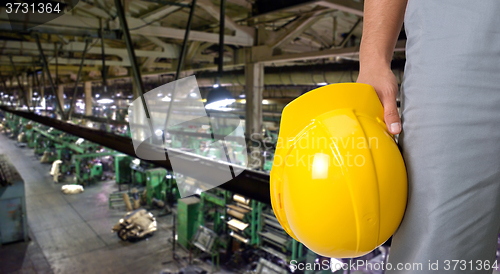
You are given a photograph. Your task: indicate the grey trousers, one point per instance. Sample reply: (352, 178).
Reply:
(451, 138)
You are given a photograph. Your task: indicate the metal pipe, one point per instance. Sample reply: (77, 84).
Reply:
(181, 61)
(73, 99)
(349, 34)
(222, 27)
(23, 92)
(43, 86)
(103, 56)
(51, 82)
(56, 55)
(133, 60)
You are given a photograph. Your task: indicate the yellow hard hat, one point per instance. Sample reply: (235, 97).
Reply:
(338, 182)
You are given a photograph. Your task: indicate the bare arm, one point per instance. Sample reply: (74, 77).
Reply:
(382, 23)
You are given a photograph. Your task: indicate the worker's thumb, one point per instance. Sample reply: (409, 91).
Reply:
(391, 115)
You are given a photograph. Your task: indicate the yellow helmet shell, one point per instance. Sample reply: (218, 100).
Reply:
(338, 182)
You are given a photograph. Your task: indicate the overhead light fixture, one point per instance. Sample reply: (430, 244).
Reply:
(265, 102)
(166, 99)
(218, 98)
(160, 94)
(97, 95)
(242, 95)
(215, 85)
(105, 101)
(158, 132)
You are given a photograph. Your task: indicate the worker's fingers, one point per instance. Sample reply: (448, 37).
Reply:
(385, 84)
(391, 115)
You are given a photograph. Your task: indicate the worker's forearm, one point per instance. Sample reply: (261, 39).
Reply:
(382, 24)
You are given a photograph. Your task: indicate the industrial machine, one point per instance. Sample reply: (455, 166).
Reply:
(156, 185)
(244, 220)
(13, 220)
(89, 167)
(212, 222)
(135, 225)
(123, 172)
(187, 219)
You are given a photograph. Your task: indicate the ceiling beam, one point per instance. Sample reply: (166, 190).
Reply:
(160, 12)
(28, 61)
(229, 23)
(264, 7)
(139, 27)
(92, 10)
(322, 54)
(295, 29)
(78, 25)
(348, 6)
(242, 3)
(171, 50)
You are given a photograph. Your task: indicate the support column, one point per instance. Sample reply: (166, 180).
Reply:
(29, 93)
(60, 95)
(254, 90)
(43, 103)
(87, 86)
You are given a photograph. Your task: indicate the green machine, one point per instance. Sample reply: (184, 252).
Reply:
(187, 219)
(213, 209)
(44, 139)
(160, 185)
(123, 173)
(30, 135)
(156, 185)
(245, 219)
(87, 170)
(139, 169)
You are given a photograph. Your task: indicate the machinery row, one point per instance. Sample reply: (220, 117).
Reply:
(222, 227)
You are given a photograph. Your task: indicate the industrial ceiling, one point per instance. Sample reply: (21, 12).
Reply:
(276, 33)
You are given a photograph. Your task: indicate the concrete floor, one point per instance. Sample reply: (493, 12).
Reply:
(72, 233)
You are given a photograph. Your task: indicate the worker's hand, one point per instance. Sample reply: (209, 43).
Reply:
(385, 84)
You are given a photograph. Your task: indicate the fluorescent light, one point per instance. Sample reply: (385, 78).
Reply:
(220, 104)
(216, 85)
(166, 99)
(158, 132)
(105, 101)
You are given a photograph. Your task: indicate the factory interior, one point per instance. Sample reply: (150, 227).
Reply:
(76, 196)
